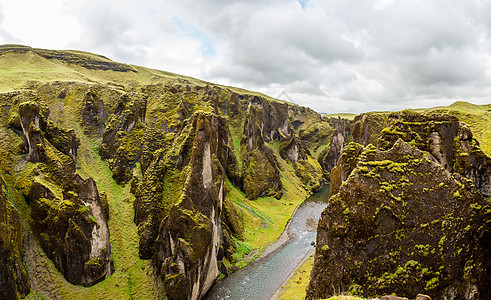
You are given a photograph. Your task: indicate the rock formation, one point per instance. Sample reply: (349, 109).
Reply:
(405, 221)
(67, 214)
(13, 276)
(329, 158)
(449, 141)
(367, 127)
(189, 241)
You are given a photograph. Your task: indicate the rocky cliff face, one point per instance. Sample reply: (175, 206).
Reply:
(13, 276)
(67, 214)
(402, 224)
(449, 141)
(190, 240)
(406, 221)
(367, 128)
(329, 158)
(185, 220)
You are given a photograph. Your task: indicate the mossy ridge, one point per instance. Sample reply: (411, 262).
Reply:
(133, 277)
(477, 117)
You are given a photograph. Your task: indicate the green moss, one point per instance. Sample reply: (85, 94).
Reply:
(325, 248)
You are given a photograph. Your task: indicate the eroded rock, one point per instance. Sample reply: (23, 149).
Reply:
(401, 223)
(66, 211)
(190, 237)
(449, 141)
(13, 276)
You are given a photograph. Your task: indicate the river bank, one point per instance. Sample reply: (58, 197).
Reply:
(262, 278)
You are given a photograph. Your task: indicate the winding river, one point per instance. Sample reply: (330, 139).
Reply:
(261, 278)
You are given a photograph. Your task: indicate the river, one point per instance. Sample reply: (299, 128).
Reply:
(261, 278)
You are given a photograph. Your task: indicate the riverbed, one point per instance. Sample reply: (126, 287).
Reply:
(261, 278)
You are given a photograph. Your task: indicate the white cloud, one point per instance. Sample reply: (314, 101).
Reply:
(40, 23)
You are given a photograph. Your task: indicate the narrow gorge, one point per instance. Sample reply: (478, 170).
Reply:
(123, 182)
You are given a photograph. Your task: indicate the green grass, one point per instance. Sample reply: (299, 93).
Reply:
(348, 116)
(296, 286)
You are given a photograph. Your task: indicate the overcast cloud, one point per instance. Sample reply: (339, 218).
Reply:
(333, 56)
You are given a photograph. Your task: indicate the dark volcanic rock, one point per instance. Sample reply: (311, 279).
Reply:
(261, 174)
(29, 121)
(367, 128)
(402, 224)
(13, 276)
(94, 115)
(328, 159)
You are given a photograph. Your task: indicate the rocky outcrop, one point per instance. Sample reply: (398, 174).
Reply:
(402, 223)
(449, 141)
(261, 175)
(66, 211)
(367, 127)
(89, 61)
(13, 277)
(94, 114)
(188, 238)
(329, 157)
(122, 139)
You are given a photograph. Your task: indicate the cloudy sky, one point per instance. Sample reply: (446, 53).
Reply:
(330, 55)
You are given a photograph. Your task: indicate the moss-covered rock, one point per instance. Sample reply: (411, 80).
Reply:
(367, 127)
(190, 240)
(122, 139)
(330, 155)
(14, 282)
(261, 174)
(401, 223)
(66, 212)
(94, 114)
(449, 141)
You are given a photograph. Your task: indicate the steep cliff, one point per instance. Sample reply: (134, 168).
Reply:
(409, 216)
(13, 276)
(66, 212)
(449, 141)
(402, 224)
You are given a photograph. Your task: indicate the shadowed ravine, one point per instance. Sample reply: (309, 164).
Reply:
(262, 278)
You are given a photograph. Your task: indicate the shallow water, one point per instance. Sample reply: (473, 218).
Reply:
(260, 279)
